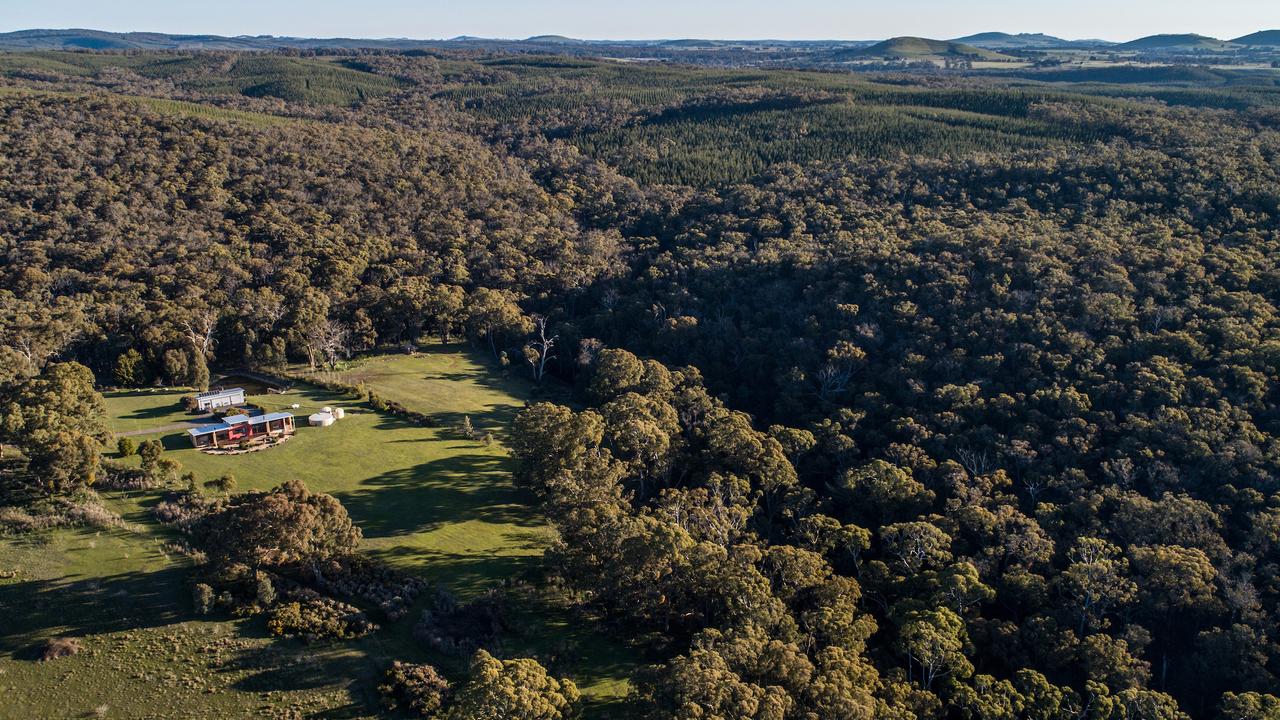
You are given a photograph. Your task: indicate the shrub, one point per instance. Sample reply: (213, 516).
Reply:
(264, 591)
(126, 447)
(189, 403)
(116, 476)
(55, 648)
(203, 598)
(61, 513)
(150, 451)
(449, 627)
(416, 689)
(370, 580)
(184, 511)
(225, 484)
(319, 619)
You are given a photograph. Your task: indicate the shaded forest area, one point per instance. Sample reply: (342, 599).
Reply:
(941, 397)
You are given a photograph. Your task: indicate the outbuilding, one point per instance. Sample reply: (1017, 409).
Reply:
(321, 419)
(220, 398)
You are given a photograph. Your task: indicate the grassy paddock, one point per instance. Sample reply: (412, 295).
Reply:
(429, 501)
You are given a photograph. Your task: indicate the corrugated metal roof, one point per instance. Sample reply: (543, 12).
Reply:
(234, 420)
(206, 429)
(220, 393)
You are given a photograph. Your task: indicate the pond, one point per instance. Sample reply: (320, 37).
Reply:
(252, 386)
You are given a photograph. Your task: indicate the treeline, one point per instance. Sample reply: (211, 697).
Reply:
(1034, 395)
(148, 245)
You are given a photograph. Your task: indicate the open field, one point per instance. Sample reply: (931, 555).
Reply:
(429, 501)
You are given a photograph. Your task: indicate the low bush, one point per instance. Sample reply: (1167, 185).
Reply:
(319, 618)
(449, 627)
(184, 511)
(116, 476)
(61, 647)
(417, 690)
(64, 512)
(369, 580)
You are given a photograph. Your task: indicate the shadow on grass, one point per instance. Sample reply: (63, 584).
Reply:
(158, 411)
(430, 495)
(465, 574)
(36, 610)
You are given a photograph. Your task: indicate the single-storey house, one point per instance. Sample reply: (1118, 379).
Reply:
(220, 398)
(238, 429)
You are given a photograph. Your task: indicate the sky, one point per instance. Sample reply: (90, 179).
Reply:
(647, 19)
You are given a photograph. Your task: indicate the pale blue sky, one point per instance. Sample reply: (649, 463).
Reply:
(599, 19)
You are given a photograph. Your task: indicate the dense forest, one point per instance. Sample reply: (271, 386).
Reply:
(932, 397)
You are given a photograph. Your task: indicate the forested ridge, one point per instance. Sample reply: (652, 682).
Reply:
(934, 398)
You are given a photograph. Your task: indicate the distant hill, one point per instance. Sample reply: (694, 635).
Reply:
(79, 39)
(1175, 42)
(691, 43)
(554, 40)
(1006, 41)
(1265, 37)
(913, 48)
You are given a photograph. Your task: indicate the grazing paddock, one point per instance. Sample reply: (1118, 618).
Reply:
(429, 500)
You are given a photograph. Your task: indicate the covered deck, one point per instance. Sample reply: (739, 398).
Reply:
(239, 430)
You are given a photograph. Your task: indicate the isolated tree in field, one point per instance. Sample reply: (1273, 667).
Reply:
(58, 420)
(285, 526)
(513, 689)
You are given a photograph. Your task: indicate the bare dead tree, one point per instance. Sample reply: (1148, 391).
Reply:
(198, 328)
(977, 462)
(833, 379)
(541, 349)
(334, 341)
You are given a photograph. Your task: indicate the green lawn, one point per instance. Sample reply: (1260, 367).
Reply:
(136, 410)
(429, 501)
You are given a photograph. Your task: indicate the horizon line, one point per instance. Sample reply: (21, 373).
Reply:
(589, 40)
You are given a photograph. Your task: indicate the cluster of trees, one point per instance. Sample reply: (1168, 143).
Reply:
(287, 552)
(888, 590)
(149, 246)
(56, 422)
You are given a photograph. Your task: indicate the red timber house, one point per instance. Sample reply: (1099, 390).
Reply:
(242, 429)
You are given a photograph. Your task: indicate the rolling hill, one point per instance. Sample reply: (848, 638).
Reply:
(1264, 37)
(81, 39)
(1006, 41)
(1189, 41)
(916, 48)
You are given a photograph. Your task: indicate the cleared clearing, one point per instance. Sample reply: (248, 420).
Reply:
(428, 499)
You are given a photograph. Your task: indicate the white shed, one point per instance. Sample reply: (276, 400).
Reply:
(220, 398)
(321, 419)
